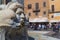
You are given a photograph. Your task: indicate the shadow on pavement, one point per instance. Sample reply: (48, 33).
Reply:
(53, 34)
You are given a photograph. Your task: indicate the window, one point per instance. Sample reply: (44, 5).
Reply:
(52, 16)
(29, 14)
(52, 0)
(52, 7)
(36, 14)
(44, 4)
(29, 6)
(36, 11)
(37, 5)
(8, 1)
(44, 13)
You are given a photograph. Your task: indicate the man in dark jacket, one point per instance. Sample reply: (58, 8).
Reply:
(56, 28)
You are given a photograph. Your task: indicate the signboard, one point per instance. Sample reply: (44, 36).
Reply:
(56, 14)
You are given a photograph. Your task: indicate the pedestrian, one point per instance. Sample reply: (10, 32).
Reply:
(47, 26)
(55, 28)
(31, 26)
(39, 27)
(59, 25)
(35, 27)
(43, 26)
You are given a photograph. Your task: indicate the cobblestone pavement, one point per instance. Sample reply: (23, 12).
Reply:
(39, 35)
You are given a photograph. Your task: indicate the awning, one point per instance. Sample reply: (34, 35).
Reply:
(54, 21)
(39, 20)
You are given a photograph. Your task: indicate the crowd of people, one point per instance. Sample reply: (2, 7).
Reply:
(39, 26)
(54, 27)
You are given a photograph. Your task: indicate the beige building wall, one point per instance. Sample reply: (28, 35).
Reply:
(56, 10)
(43, 10)
(56, 4)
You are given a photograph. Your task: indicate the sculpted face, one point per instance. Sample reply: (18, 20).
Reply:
(10, 18)
(12, 15)
(19, 11)
(20, 14)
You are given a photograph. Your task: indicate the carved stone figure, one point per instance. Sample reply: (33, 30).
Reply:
(12, 21)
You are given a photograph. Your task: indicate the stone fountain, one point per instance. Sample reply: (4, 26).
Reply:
(12, 22)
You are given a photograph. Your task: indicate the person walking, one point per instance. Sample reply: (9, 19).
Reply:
(35, 28)
(55, 28)
(43, 26)
(39, 27)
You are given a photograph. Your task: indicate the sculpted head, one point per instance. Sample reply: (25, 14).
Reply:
(6, 17)
(10, 18)
(12, 15)
(20, 14)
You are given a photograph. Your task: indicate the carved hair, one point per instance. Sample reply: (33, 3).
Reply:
(10, 3)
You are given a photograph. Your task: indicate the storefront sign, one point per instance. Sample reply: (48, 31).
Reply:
(56, 14)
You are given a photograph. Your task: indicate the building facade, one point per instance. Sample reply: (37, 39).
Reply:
(42, 10)
(54, 5)
(54, 10)
(37, 10)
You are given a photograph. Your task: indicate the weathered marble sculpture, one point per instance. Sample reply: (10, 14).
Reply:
(2, 6)
(12, 21)
(8, 12)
